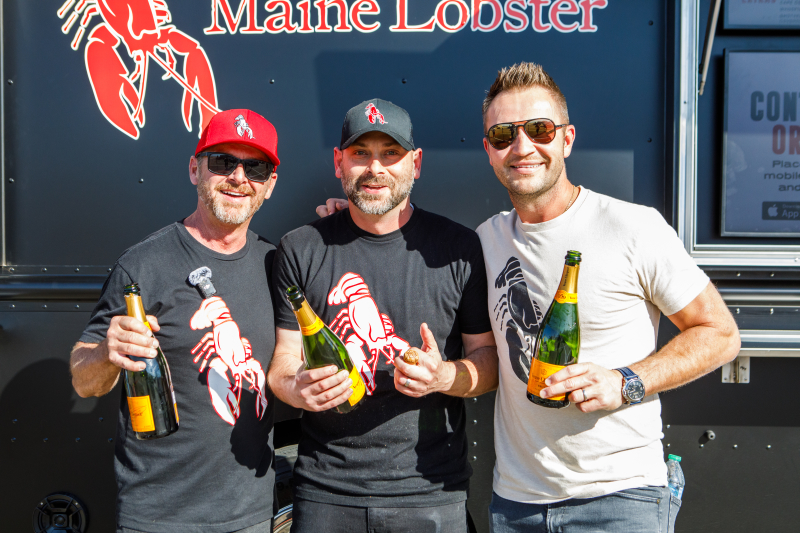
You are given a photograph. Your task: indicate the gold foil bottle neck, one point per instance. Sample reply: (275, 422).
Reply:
(136, 308)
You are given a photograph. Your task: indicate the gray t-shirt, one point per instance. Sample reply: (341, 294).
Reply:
(215, 473)
(634, 268)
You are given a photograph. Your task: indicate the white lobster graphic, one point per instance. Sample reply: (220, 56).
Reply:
(234, 354)
(369, 325)
(243, 127)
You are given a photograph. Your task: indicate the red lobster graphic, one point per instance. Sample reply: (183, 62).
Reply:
(234, 354)
(142, 26)
(373, 114)
(370, 327)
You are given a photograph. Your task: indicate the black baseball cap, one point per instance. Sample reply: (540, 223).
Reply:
(377, 115)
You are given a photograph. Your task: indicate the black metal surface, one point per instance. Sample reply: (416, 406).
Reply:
(59, 513)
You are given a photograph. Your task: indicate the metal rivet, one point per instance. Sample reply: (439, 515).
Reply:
(44, 306)
(474, 443)
(771, 311)
(769, 446)
(474, 400)
(738, 274)
(474, 421)
(101, 419)
(13, 439)
(271, 82)
(405, 80)
(77, 270)
(772, 274)
(668, 445)
(12, 306)
(650, 23)
(111, 440)
(649, 139)
(701, 446)
(667, 426)
(735, 446)
(737, 310)
(44, 269)
(11, 269)
(11, 82)
(474, 457)
(14, 421)
(44, 439)
(109, 269)
(77, 439)
(11, 180)
(141, 180)
(463, 139)
(77, 306)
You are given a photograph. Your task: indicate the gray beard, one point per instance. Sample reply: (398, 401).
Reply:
(369, 204)
(229, 216)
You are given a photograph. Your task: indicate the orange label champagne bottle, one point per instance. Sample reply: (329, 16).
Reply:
(559, 339)
(321, 347)
(151, 398)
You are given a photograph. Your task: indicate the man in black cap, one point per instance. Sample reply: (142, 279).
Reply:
(385, 275)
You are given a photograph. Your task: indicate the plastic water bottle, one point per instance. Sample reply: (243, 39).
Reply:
(675, 479)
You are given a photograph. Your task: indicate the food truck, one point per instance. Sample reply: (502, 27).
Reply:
(686, 106)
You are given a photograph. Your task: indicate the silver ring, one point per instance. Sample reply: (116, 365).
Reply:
(584, 396)
(408, 380)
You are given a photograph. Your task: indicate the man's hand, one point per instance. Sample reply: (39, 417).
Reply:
(129, 336)
(320, 389)
(331, 206)
(590, 387)
(431, 374)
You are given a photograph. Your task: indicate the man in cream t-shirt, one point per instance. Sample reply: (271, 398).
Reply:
(598, 464)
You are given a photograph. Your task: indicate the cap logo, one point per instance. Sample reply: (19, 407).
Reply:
(373, 115)
(243, 127)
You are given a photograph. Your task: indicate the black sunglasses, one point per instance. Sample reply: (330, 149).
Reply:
(538, 130)
(224, 165)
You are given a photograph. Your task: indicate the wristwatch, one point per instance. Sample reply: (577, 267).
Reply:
(632, 386)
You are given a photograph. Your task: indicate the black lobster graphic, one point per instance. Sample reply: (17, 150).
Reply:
(524, 317)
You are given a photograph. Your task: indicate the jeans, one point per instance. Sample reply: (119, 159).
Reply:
(642, 510)
(313, 517)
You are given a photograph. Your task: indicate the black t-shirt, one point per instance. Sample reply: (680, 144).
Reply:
(216, 471)
(374, 291)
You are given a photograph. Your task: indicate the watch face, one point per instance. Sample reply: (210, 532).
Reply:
(634, 390)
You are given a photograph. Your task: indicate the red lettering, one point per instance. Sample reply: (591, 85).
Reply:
(305, 17)
(231, 21)
(779, 139)
(322, 9)
(587, 22)
(538, 8)
(463, 15)
(371, 7)
(794, 140)
(564, 7)
(515, 14)
(497, 15)
(272, 24)
(402, 20)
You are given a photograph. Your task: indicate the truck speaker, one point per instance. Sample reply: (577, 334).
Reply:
(59, 513)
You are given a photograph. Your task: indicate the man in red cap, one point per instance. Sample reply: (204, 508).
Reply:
(204, 279)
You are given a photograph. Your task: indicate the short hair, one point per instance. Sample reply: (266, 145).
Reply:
(525, 76)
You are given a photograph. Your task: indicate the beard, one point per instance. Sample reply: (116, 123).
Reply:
(228, 212)
(371, 204)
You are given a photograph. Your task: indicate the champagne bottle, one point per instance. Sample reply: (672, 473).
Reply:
(321, 347)
(151, 398)
(559, 338)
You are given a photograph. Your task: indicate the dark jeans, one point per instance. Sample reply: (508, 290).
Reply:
(263, 527)
(313, 517)
(642, 510)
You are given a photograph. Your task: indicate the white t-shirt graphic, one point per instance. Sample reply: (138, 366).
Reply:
(633, 268)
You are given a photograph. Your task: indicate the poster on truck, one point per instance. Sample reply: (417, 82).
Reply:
(761, 145)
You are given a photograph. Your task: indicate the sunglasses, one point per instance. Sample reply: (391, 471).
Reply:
(224, 165)
(538, 130)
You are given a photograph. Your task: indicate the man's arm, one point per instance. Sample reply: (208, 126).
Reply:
(709, 338)
(471, 376)
(318, 389)
(96, 367)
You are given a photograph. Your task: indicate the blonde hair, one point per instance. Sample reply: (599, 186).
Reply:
(525, 76)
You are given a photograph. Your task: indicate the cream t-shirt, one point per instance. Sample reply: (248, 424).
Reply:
(634, 268)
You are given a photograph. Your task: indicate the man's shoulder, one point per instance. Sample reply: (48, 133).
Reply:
(158, 242)
(498, 222)
(314, 232)
(261, 244)
(445, 227)
(632, 217)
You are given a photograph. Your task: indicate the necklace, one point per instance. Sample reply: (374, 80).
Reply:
(572, 198)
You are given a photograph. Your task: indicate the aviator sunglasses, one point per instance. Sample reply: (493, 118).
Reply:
(538, 130)
(224, 165)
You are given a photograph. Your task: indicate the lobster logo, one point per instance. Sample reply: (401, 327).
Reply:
(234, 356)
(524, 317)
(141, 25)
(371, 328)
(373, 115)
(243, 127)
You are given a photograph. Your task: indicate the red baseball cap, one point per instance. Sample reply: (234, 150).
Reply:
(241, 126)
